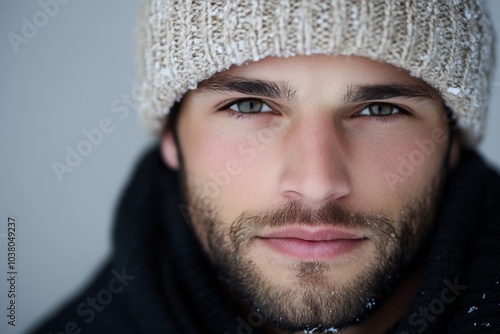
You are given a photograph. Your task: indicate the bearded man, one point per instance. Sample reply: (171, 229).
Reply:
(315, 173)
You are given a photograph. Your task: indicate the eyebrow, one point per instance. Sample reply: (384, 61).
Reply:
(283, 90)
(363, 93)
(272, 89)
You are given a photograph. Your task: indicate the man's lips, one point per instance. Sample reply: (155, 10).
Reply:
(311, 244)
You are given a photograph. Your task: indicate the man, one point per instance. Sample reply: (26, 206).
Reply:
(315, 174)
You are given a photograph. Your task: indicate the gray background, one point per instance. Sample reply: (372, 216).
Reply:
(64, 80)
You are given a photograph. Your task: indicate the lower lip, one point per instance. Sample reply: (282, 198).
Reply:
(306, 250)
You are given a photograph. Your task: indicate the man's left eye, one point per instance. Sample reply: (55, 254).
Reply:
(250, 106)
(380, 109)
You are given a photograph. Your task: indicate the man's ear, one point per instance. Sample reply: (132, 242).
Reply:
(169, 149)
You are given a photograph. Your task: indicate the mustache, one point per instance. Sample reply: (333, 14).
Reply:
(248, 224)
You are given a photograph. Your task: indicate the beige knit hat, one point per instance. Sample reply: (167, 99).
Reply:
(447, 43)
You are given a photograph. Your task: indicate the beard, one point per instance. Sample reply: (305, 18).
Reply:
(315, 300)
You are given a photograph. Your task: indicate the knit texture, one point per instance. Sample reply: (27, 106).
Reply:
(447, 43)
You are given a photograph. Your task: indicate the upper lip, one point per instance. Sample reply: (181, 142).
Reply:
(320, 233)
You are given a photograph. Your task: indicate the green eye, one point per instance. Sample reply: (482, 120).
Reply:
(382, 109)
(250, 106)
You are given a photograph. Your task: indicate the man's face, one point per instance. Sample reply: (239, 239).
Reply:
(311, 181)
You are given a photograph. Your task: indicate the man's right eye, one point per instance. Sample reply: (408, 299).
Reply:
(249, 106)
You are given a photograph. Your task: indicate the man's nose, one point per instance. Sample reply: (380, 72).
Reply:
(314, 162)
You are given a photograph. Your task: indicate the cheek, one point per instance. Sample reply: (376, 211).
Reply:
(223, 167)
(206, 159)
(397, 170)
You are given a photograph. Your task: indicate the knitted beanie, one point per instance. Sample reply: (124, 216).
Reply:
(447, 43)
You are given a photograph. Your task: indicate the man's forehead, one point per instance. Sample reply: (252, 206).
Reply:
(312, 62)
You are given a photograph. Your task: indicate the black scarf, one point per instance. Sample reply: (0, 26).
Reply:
(169, 285)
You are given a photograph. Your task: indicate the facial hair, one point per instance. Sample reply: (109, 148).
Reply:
(316, 302)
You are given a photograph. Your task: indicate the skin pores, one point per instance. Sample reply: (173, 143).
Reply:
(312, 182)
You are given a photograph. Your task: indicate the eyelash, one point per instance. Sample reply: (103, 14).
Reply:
(384, 119)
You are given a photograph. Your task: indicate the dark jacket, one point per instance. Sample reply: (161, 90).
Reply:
(159, 281)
